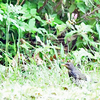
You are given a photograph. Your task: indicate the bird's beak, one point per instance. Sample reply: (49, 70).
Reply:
(63, 65)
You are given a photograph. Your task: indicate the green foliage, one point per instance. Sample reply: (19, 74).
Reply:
(23, 20)
(26, 20)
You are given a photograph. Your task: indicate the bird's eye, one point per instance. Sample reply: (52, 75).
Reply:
(67, 64)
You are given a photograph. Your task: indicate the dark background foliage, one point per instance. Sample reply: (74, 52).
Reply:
(74, 23)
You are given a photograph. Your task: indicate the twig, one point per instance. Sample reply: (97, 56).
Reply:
(42, 6)
(88, 14)
(57, 5)
(86, 19)
(22, 2)
(17, 2)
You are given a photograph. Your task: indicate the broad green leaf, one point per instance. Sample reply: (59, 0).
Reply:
(58, 21)
(85, 37)
(81, 53)
(33, 30)
(24, 25)
(39, 19)
(40, 4)
(82, 28)
(14, 22)
(86, 28)
(42, 29)
(60, 28)
(33, 11)
(26, 16)
(72, 8)
(81, 7)
(32, 23)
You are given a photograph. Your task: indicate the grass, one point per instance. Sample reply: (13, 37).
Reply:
(41, 83)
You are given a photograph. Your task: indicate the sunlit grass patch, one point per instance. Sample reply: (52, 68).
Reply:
(39, 82)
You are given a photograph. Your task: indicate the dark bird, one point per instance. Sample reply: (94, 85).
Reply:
(74, 73)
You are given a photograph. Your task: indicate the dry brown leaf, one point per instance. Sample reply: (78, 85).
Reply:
(38, 60)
